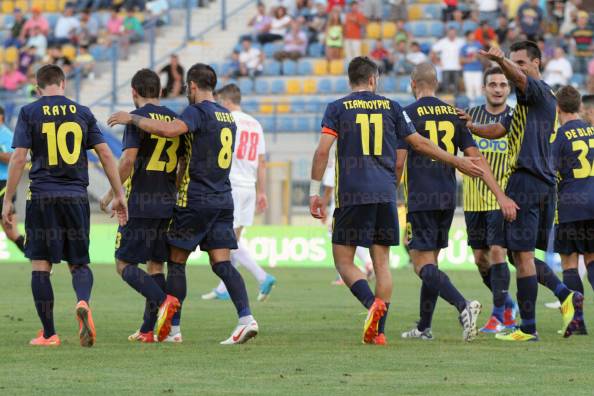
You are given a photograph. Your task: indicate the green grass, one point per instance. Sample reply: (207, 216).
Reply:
(310, 343)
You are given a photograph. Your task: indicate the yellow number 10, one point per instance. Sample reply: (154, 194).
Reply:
(57, 142)
(378, 126)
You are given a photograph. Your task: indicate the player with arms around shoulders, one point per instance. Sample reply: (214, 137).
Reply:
(431, 199)
(366, 128)
(58, 132)
(203, 215)
(148, 170)
(248, 178)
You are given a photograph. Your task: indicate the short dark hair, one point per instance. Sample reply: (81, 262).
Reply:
(490, 71)
(1, 111)
(49, 75)
(569, 99)
(531, 49)
(588, 100)
(203, 76)
(360, 69)
(147, 84)
(230, 92)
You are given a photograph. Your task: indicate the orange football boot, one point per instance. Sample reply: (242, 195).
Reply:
(40, 340)
(376, 312)
(380, 339)
(166, 311)
(86, 326)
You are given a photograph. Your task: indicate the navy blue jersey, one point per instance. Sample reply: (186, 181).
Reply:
(573, 150)
(58, 132)
(367, 127)
(151, 189)
(430, 184)
(530, 131)
(209, 147)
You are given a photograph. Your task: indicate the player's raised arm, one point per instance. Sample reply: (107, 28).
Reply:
(318, 166)
(512, 70)
(110, 167)
(488, 131)
(162, 128)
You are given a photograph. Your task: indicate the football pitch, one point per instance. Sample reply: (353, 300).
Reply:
(309, 344)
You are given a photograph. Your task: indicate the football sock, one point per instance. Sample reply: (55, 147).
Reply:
(381, 326)
(144, 284)
(362, 291)
(590, 268)
(20, 243)
(176, 286)
(243, 256)
(547, 278)
(527, 292)
(571, 278)
(427, 306)
(235, 285)
(151, 309)
(82, 282)
(43, 297)
(486, 278)
(499, 285)
(509, 302)
(440, 283)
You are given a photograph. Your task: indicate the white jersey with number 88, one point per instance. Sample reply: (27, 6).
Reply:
(249, 144)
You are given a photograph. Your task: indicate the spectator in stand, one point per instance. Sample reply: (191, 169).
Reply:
(530, 18)
(37, 20)
(303, 10)
(89, 29)
(295, 45)
(558, 71)
(398, 10)
(582, 43)
(27, 58)
(15, 29)
(85, 61)
(334, 3)
(38, 41)
(547, 51)
(591, 76)
(115, 23)
(502, 29)
(415, 56)
(317, 26)
(234, 66)
(251, 59)
(56, 57)
(158, 10)
(489, 10)
(175, 78)
(485, 35)
(570, 11)
(260, 23)
(12, 78)
(133, 4)
(446, 54)
(278, 27)
(334, 35)
(381, 56)
(450, 7)
(374, 9)
(133, 27)
(512, 37)
(67, 27)
(93, 5)
(401, 33)
(472, 68)
(398, 58)
(354, 23)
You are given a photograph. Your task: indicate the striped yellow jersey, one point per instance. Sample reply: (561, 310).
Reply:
(477, 196)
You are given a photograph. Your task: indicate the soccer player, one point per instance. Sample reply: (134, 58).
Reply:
(484, 220)
(587, 110)
(431, 200)
(531, 181)
(573, 151)
(148, 170)
(6, 150)
(58, 132)
(366, 127)
(203, 215)
(248, 177)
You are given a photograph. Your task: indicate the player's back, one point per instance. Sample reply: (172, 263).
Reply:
(367, 127)
(209, 151)
(249, 145)
(58, 131)
(151, 188)
(573, 150)
(431, 184)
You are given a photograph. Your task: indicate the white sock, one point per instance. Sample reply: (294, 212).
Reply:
(243, 256)
(363, 255)
(246, 320)
(175, 330)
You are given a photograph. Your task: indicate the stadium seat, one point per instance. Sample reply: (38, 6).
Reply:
(22, 4)
(365, 48)
(315, 50)
(388, 30)
(268, 50)
(469, 25)
(452, 24)
(272, 68)
(69, 52)
(305, 124)
(267, 107)
(297, 105)
(11, 54)
(285, 124)
(304, 67)
(341, 86)
(403, 84)
(251, 106)
(437, 30)
(7, 7)
(8, 20)
(337, 67)
(289, 68)
(314, 106)
(417, 29)
(325, 86)
(283, 107)
(578, 79)
(1, 54)
(373, 31)
(52, 19)
(277, 87)
(261, 87)
(320, 67)
(267, 123)
(246, 85)
(433, 11)
(415, 12)
(310, 86)
(293, 87)
(51, 5)
(388, 84)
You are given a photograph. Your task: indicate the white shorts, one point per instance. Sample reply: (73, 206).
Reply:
(244, 206)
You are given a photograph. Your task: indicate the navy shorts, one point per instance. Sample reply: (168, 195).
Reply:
(485, 229)
(57, 229)
(575, 237)
(142, 240)
(366, 225)
(429, 230)
(534, 220)
(209, 228)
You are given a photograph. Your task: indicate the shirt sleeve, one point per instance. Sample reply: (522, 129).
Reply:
(95, 136)
(404, 126)
(191, 117)
(22, 133)
(507, 119)
(465, 138)
(330, 120)
(131, 138)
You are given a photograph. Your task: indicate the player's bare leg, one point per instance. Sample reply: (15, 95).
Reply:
(82, 282)
(589, 261)
(43, 297)
(380, 258)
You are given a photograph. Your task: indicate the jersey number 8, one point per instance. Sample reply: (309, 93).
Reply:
(56, 143)
(226, 151)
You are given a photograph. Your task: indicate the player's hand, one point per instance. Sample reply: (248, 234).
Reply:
(464, 116)
(508, 207)
(494, 54)
(119, 118)
(261, 202)
(468, 166)
(316, 207)
(105, 201)
(7, 214)
(120, 208)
